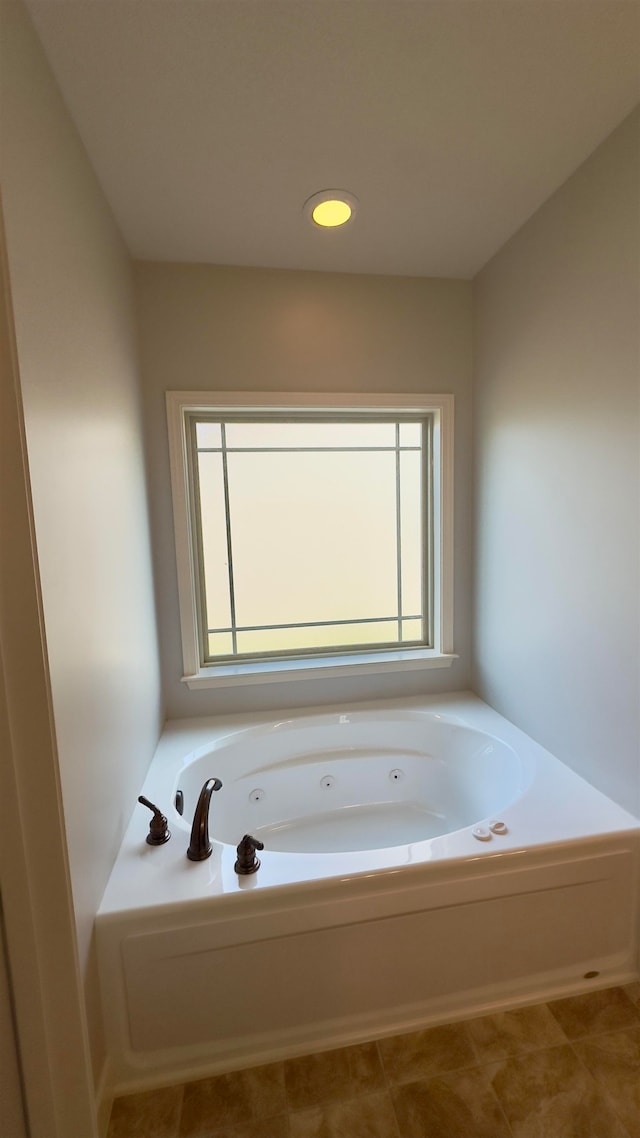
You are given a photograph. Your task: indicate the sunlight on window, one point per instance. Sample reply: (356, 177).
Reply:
(311, 534)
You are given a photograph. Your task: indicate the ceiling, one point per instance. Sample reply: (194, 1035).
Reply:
(210, 122)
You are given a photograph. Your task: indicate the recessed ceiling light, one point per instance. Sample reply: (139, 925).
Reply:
(330, 209)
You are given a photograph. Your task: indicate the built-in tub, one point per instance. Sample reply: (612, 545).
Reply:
(353, 783)
(423, 860)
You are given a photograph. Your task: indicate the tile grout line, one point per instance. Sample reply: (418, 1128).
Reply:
(480, 1066)
(601, 1090)
(387, 1085)
(179, 1126)
(352, 1094)
(605, 1031)
(287, 1104)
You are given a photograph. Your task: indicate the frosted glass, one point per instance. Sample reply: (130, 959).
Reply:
(410, 434)
(214, 541)
(327, 636)
(411, 532)
(299, 435)
(220, 644)
(208, 435)
(412, 630)
(313, 536)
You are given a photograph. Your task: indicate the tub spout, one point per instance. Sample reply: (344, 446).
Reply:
(200, 846)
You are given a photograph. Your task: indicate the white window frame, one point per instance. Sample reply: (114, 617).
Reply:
(181, 404)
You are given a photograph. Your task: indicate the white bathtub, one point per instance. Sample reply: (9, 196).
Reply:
(423, 860)
(354, 782)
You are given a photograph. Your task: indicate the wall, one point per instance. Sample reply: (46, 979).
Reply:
(10, 1088)
(39, 922)
(556, 472)
(213, 328)
(72, 295)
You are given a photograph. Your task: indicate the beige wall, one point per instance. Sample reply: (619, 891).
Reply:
(10, 1074)
(71, 285)
(212, 328)
(556, 472)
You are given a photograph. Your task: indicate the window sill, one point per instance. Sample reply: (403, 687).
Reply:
(281, 671)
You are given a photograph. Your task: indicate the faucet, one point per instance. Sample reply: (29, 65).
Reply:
(200, 847)
(159, 832)
(247, 861)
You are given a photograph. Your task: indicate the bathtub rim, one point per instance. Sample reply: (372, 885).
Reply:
(345, 747)
(151, 879)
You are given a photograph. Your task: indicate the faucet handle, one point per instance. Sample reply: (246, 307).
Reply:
(159, 832)
(247, 861)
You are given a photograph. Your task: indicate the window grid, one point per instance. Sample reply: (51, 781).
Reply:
(234, 628)
(227, 513)
(314, 623)
(398, 534)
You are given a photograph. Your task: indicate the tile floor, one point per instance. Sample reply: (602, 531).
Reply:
(567, 1069)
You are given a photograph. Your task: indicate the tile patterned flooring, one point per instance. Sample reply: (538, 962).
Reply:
(567, 1069)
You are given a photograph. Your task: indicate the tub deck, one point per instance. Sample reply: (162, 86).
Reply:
(204, 971)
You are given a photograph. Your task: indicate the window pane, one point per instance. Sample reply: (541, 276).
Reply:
(214, 541)
(313, 536)
(412, 630)
(297, 435)
(327, 636)
(208, 435)
(410, 434)
(411, 530)
(220, 644)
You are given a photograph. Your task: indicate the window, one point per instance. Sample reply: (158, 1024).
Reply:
(313, 532)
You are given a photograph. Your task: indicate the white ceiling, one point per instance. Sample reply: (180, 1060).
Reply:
(209, 122)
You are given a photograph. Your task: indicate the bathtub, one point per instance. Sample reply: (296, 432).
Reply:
(423, 861)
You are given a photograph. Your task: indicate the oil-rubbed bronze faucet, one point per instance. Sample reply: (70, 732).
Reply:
(247, 862)
(159, 832)
(200, 847)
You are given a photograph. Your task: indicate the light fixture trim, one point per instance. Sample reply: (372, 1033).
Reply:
(344, 197)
